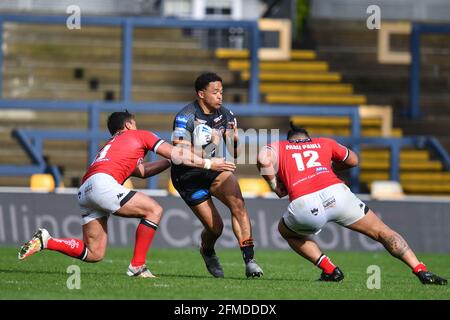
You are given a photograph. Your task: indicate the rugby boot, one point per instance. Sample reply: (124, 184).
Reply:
(212, 264)
(37, 243)
(427, 277)
(252, 269)
(139, 271)
(336, 276)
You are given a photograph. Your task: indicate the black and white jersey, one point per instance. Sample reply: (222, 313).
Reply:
(192, 115)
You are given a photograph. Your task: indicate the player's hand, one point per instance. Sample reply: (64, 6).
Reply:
(232, 129)
(216, 136)
(219, 164)
(281, 190)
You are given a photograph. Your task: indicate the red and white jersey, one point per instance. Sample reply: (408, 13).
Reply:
(122, 153)
(304, 166)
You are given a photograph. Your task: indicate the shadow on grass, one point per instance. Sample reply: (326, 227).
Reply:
(233, 278)
(62, 272)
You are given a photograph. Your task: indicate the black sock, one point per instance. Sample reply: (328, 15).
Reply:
(247, 253)
(208, 252)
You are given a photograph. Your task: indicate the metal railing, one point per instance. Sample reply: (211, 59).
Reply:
(31, 140)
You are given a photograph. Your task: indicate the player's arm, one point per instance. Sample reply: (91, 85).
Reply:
(231, 136)
(267, 161)
(179, 154)
(343, 158)
(149, 169)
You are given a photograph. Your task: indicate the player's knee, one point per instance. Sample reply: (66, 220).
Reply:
(158, 211)
(154, 214)
(216, 229)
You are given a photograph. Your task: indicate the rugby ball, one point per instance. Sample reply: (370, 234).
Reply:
(202, 135)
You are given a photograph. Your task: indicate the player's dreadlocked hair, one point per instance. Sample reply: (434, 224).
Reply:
(296, 130)
(117, 120)
(204, 79)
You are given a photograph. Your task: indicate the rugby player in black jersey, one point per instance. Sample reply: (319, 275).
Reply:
(196, 186)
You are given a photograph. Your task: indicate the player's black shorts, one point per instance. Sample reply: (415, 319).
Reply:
(193, 183)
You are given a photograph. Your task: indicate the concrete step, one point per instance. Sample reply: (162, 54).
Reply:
(20, 30)
(369, 132)
(225, 53)
(74, 92)
(427, 188)
(64, 119)
(294, 77)
(405, 155)
(333, 121)
(58, 53)
(409, 177)
(327, 88)
(241, 65)
(430, 165)
(316, 99)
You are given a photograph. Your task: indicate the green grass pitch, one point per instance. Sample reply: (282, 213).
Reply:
(182, 275)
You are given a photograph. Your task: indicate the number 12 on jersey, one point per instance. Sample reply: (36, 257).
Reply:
(309, 155)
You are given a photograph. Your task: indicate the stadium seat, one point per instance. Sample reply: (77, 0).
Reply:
(128, 184)
(256, 186)
(42, 182)
(171, 189)
(382, 190)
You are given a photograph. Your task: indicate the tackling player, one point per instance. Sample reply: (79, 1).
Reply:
(302, 167)
(102, 194)
(196, 185)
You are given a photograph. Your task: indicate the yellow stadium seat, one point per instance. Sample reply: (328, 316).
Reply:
(257, 186)
(386, 189)
(171, 188)
(128, 184)
(42, 182)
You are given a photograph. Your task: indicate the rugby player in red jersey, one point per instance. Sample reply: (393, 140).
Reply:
(102, 194)
(303, 168)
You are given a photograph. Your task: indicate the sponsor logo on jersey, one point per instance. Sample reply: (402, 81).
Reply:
(120, 195)
(315, 211)
(181, 122)
(319, 169)
(218, 118)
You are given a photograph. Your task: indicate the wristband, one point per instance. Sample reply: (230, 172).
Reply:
(207, 164)
(273, 183)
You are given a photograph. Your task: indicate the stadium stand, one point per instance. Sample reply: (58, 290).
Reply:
(300, 80)
(352, 52)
